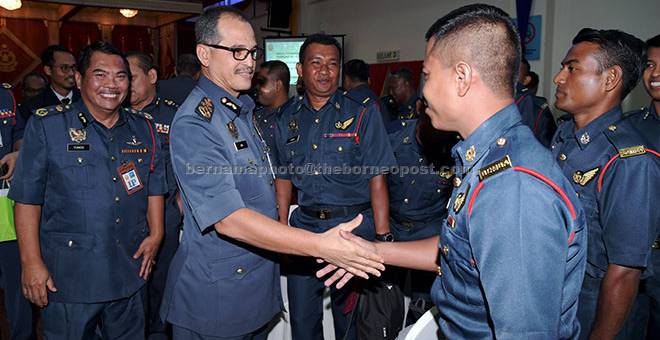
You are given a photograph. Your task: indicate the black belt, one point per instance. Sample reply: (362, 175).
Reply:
(327, 212)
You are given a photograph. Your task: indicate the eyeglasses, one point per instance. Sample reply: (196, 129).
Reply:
(239, 53)
(66, 68)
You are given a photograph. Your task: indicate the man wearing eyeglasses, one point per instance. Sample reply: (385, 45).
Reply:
(220, 285)
(59, 65)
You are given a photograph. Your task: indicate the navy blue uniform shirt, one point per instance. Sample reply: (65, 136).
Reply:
(90, 225)
(616, 176)
(647, 122)
(536, 114)
(216, 285)
(513, 247)
(267, 122)
(418, 191)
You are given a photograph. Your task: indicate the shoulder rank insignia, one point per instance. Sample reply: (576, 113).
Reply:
(632, 151)
(460, 200)
(366, 100)
(6, 85)
(205, 108)
(231, 105)
(170, 103)
(345, 124)
(494, 168)
(42, 112)
(77, 135)
(583, 178)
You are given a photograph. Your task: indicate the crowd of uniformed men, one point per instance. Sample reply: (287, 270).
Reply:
(513, 224)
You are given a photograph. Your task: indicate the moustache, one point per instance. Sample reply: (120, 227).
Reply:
(243, 70)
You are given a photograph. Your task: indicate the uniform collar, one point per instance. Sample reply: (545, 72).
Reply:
(83, 114)
(333, 101)
(151, 107)
(652, 112)
(244, 102)
(469, 151)
(585, 135)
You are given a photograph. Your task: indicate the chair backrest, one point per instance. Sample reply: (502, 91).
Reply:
(426, 327)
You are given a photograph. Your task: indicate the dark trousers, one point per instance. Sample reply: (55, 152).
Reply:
(644, 319)
(121, 319)
(181, 333)
(19, 309)
(156, 285)
(305, 293)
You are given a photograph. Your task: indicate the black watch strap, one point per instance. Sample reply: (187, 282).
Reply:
(387, 237)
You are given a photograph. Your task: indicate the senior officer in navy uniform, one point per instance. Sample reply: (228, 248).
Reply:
(220, 285)
(19, 310)
(329, 134)
(144, 98)
(513, 246)
(89, 188)
(613, 169)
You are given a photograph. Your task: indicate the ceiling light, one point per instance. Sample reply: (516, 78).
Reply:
(129, 13)
(10, 4)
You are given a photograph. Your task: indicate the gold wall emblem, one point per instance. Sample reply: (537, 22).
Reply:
(8, 60)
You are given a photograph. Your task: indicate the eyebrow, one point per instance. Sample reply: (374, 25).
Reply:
(570, 61)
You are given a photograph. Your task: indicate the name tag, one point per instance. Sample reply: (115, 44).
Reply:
(77, 147)
(130, 177)
(293, 139)
(240, 145)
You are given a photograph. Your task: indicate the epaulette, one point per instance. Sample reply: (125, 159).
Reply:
(205, 108)
(6, 86)
(50, 110)
(138, 113)
(171, 103)
(362, 101)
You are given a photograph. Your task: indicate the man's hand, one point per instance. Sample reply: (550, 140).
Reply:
(10, 161)
(148, 250)
(340, 275)
(346, 251)
(35, 279)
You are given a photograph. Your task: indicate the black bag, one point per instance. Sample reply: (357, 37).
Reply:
(380, 310)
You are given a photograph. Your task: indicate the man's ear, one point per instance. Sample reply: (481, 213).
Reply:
(203, 54)
(152, 75)
(463, 78)
(299, 70)
(48, 71)
(78, 77)
(614, 77)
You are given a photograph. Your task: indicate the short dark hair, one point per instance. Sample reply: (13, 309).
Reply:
(144, 61)
(278, 70)
(188, 64)
(653, 42)
(357, 69)
(403, 73)
(534, 80)
(48, 55)
(34, 74)
(486, 35)
(617, 48)
(100, 47)
(318, 38)
(206, 27)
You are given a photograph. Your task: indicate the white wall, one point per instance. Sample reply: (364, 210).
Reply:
(377, 25)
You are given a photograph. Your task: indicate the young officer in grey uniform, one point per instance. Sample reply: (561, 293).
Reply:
(612, 169)
(220, 285)
(89, 191)
(513, 247)
(19, 310)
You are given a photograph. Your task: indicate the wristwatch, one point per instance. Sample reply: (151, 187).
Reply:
(387, 237)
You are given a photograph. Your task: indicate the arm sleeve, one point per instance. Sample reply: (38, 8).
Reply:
(202, 168)
(519, 242)
(629, 186)
(29, 183)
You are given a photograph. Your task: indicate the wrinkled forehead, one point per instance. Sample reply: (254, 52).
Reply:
(235, 33)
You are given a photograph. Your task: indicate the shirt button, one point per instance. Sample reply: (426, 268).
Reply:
(139, 160)
(438, 190)
(405, 200)
(239, 270)
(316, 172)
(445, 250)
(80, 160)
(439, 271)
(117, 199)
(114, 179)
(317, 120)
(113, 158)
(70, 244)
(112, 139)
(340, 149)
(118, 220)
(314, 146)
(562, 157)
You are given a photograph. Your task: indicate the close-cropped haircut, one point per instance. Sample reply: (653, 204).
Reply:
(485, 37)
(357, 69)
(318, 38)
(144, 61)
(403, 73)
(279, 71)
(617, 48)
(188, 64)
(48, 55)
(206, 27)
(100, 47)
(653, 42)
